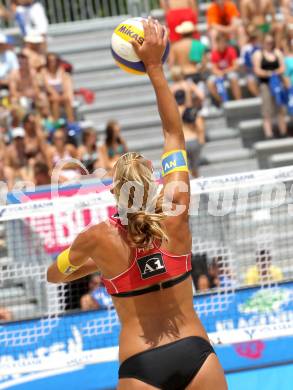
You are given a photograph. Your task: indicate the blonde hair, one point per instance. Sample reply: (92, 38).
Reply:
(145, 224)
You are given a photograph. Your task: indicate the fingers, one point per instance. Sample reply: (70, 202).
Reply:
(165, 35)
(153, 31)
(160, 32)
(135, 45)
(146, 28)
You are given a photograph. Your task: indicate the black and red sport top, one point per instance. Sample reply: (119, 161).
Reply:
(150, 270)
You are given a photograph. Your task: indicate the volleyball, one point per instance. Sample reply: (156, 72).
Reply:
(122, 50)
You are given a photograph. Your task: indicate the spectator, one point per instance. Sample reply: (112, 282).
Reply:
(8, 61)
(220, 273)
(41, 174)
(16, 157)
(97, 297)
(223, 17)
(59, 87)
(268, 62)
(288, 52)
(264, 271)
(114, 146)
(31, 17)
(6, 173)
(199, 266)
(34, 51)
(5, 314)
(247, 53)
(189, 53)
(62, 153)
(203, 283)
(35, 146)
(261, 15)
(23, 86)
(224, 67)
(88, 152)
(177, 12)
(287, 11)
(186, 93)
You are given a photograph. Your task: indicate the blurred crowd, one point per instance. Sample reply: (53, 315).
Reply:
(247, 51)
(39, 127)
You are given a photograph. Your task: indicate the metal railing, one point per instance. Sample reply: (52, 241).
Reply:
(60, 11)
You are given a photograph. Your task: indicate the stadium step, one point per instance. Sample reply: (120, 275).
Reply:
(24, 311)
(213, 157)
(221, 134)
(239, 110)
(265, 149)
(5, 260)
(13, 296)
(280, 160)
(227, 168)
(126, 102)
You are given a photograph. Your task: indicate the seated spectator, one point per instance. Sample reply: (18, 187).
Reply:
(190, 99)
(16, 157)
(223, 17)
(264, 271)
(59, 88)
(189, 53)
(220, 273)
(48, 123)
(34, 51)
(177, 12)
(8, 61)
(34, 140)
(30, 16)
(5, 314)
(88, 152)
(203, 283)
(268, 62)
(198, 266)
(261, 16)
(287, 11)
(247, 53)
(288, 58)
(97, 297)
(61, 153)
(224, 67)
(6, 173)
(114, 146)
(23, 86)
(41, 174)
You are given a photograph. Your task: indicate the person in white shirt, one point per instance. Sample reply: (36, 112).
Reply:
(8, 60)
(31, 17)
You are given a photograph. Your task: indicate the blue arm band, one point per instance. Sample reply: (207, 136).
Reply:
(174, 161)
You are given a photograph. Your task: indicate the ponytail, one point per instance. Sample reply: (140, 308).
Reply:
(144, 228)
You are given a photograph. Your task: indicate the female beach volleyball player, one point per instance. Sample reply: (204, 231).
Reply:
(145, 259)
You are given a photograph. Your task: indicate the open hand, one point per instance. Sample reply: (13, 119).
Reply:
(155, 42)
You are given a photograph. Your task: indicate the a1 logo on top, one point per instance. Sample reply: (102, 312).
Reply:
(122, 50)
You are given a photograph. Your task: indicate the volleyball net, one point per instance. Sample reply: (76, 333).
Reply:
(242, 228)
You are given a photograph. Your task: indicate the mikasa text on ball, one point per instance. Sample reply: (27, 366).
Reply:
(123, 51)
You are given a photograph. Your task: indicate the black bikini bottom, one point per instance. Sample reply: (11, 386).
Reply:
(169, 367)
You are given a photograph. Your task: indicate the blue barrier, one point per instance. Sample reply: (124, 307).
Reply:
(80, 349)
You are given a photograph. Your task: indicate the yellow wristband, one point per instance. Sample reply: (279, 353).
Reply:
(63, 263)
(174, 161)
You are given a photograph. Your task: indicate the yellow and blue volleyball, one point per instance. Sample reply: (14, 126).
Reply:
(122, 50)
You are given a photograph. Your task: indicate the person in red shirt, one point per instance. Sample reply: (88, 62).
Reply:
(224, 66)
(177, 12)
(224, 17)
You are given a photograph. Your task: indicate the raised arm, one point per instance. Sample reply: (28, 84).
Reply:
(175, 172)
